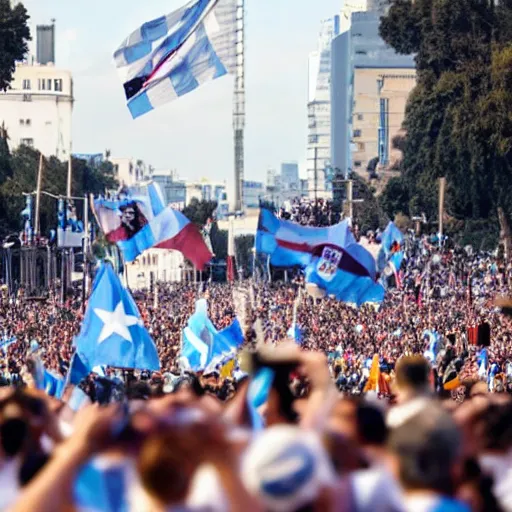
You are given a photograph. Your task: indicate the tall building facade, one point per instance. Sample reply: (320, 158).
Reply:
(253, 191)
(37, 109)
(319, 108)
(173, 189)
(366, 114)
(45, 45)
(290, 181)
(382, 83)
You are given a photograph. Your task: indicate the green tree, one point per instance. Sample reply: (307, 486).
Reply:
(368, 214)
(24, 163)
(199, 212)
(457, 121)
(14, 37)
(5, 155)
(395, 198)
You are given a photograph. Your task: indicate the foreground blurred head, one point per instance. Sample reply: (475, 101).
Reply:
(427, 452)
(288, 469)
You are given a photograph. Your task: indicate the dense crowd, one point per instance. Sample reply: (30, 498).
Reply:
(310, 212)
(172, 440)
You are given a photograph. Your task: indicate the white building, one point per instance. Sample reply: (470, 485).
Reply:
(319, 108)
(206, 190)
(271, 177)
(37, 110)
(129, 171)
(290, 181)
(165, 265)
(173, 189)
(253, 192)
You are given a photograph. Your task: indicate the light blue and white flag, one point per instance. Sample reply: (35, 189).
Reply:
(6, 342)
(330, 257)
(112, 333)
(258, 393)
(172, 55)
(391, 255)
(483, 363)
(204, 346)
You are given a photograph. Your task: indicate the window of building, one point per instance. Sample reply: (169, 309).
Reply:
(27, 142)
(360, 117)
(357, 34)
(27, 97)
(58, 85)
(313, 139)
(22, 122)
(360, 146)
(357, 163)
(41, 84)
(361, 52)
(28, 122)
(48, 84)
(26, 85)
(357, 133)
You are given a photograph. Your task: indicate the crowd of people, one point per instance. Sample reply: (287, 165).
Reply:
(329, 437)
(310, 212)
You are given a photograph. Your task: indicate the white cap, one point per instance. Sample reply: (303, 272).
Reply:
(287, 467)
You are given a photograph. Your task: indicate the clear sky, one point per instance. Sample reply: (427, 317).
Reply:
(194, 133)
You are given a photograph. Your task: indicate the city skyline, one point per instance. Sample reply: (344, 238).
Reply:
(170, 137)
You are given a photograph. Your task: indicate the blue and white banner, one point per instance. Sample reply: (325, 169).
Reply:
(172, 55)
(330, 257)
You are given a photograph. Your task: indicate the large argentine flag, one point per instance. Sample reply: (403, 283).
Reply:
(331, 257)
(174, 54)
(140, 222)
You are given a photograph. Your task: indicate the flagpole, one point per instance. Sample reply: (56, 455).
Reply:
(442, 188)
(38, 196)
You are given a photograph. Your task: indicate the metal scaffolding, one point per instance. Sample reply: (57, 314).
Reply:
(239, 105)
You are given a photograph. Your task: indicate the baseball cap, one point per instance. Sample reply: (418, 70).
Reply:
(286, 467)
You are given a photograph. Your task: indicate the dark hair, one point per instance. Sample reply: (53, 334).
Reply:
(413, 372)
(371, 425)
(427, 447)
(473, 475)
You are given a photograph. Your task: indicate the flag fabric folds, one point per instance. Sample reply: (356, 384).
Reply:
(50, 383)
(141, 222)
(77, 370)
(391, 254)
(101, 486)
(483, 363)
(172, 55)
(331, 257)
(204, 346)
(112, 332)
(258, 393)
(198, 338)
(6, 342)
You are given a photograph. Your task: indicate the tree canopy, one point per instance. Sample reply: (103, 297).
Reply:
(14, 37)
(458, 120)
(23, 165)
